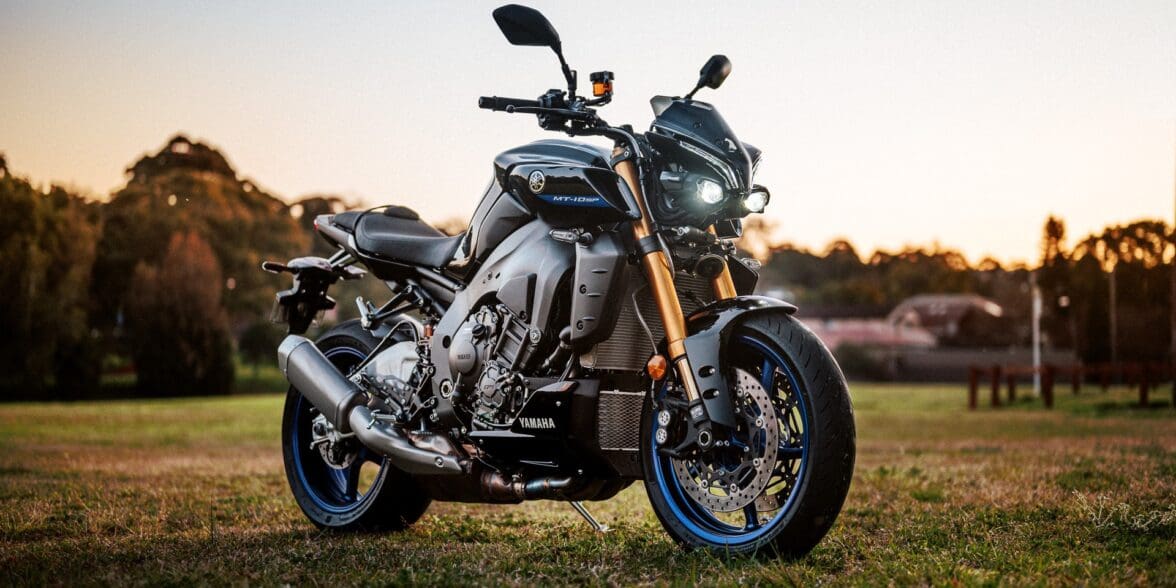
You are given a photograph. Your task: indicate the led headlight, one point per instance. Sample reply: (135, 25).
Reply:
(757, 199)
(709, 191)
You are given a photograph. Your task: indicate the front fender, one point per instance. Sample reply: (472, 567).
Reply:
(708, 329)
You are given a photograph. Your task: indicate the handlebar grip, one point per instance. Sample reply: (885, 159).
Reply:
(496, 103)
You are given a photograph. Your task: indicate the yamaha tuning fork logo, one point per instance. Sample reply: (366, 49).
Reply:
(537, 180)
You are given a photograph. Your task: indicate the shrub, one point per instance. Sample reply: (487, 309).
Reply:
(178, 329)
(259, 343)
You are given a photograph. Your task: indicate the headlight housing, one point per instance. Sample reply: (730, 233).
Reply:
(757, 199)
(708, 191)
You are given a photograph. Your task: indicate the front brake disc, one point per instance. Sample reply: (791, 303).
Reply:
(730, 475)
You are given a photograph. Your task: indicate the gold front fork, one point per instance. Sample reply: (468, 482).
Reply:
(723, 285)
(661, 284)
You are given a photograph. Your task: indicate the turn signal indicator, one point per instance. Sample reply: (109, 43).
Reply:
(656, 367)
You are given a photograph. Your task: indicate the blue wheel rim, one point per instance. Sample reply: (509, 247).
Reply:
(332, 490)
(698, 520)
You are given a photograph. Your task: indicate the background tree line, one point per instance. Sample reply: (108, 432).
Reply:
(1076, 282)
(163, 278)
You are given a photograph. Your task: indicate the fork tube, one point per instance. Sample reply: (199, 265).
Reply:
(661, 284)
(722, 284)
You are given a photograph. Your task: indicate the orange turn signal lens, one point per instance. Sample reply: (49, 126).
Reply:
(601, 88)
(656, 367)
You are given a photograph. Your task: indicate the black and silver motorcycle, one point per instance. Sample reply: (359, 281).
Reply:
(593, 327)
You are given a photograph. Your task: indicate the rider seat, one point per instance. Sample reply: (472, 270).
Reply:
(398, 234)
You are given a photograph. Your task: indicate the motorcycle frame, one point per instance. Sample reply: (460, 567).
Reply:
(695, 358)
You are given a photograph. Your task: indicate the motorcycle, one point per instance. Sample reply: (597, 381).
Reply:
(594, 327)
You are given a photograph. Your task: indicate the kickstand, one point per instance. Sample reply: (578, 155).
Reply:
(596, 526)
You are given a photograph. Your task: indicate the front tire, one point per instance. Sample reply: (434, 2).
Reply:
(369, 495)
(814, 462)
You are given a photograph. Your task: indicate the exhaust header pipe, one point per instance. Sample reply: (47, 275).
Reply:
(343, 404)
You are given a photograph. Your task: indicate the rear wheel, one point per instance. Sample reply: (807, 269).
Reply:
(343, 485)
(776, 485)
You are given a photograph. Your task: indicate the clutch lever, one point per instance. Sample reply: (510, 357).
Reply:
(562, 112)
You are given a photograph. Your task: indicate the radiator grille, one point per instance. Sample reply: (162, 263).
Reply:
(618, 418)
(629, 346)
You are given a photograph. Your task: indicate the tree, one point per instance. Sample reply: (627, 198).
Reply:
(1053, 277)
(308, 208)
(178, 329)
(759, 237)
(259, 342)
(190, 187)
(1120, 292)
(47, 242)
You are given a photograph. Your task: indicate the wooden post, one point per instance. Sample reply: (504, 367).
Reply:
(1076, 379)
(1047, 385)
(995, 385)
(973, 386)
(1012, 377)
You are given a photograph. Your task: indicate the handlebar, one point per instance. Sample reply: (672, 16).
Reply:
(499, 104)
(589, 123)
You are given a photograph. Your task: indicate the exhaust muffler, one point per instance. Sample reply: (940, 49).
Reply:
(343, 404)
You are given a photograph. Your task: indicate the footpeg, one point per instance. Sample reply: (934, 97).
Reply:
(596, 526)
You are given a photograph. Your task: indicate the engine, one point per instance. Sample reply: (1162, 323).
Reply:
(395, 375)
(488, 354)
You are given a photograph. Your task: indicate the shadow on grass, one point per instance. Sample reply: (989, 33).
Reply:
(309, 557)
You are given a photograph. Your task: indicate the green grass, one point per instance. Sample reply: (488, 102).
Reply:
(192, 491)
(248, 378)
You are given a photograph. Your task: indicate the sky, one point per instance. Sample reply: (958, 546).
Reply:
(887, 123)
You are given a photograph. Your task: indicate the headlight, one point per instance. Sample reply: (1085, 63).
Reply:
(757, 199)
(709, 191)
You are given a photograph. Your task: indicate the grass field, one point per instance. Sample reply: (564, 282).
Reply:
(181, 491)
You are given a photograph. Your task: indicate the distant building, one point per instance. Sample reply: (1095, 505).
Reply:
(870, 333)
(956, 320)
(930, 337)
(919, 322)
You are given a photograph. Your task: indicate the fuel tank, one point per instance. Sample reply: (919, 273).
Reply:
(499, 214)
(565, 184)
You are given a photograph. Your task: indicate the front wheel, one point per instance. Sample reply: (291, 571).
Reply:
(776, 483)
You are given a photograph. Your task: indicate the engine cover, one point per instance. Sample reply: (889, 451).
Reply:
(473, 344)
(393, 372)
(488, 354)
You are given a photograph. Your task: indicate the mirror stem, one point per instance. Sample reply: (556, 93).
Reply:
(569, 75)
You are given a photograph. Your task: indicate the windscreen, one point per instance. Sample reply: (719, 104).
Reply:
(701, 124)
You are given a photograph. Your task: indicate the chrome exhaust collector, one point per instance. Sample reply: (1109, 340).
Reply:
(343, 404)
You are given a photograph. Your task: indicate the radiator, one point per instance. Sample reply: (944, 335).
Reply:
(618, 418)
(629, 346)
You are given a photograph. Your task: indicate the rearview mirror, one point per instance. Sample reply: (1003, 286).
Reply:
(717, 68)
(526, 26)
(712, 74)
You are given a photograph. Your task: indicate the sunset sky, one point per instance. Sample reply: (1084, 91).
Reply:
(889, 123)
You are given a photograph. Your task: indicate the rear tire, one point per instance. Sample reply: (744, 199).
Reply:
(815, 472)
(329, 497)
